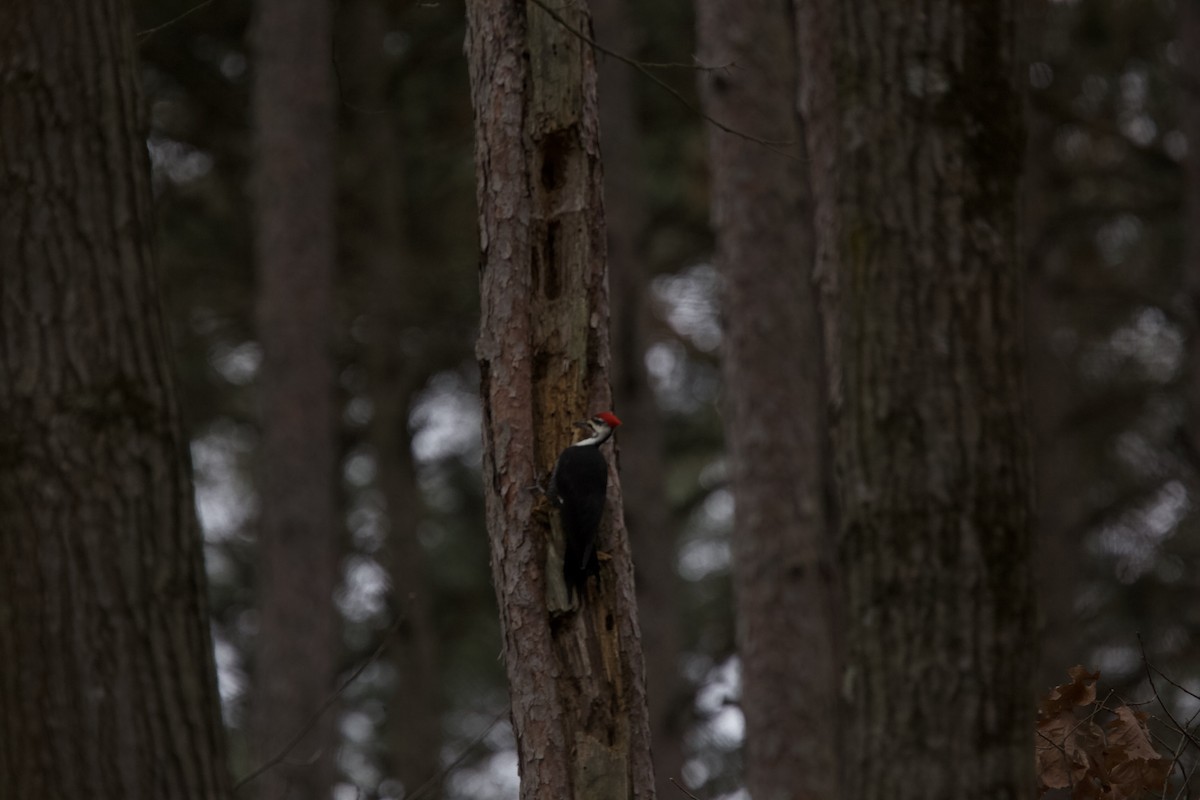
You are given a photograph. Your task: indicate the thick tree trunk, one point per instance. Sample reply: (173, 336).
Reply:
(298, 639)
(775, 418)
(915, 167)
(644, 484)
(391, 294)
(107, 684)
(574, 672)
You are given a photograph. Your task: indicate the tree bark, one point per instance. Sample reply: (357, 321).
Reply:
(915, 134)
(647, 514)
(299, 636)
(775, 421)
(107, 683)
(574, 671)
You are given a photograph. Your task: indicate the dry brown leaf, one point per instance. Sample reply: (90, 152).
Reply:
(1128, 736)
(1061, 761)
(1133, 763)
(1081, 691)
(1118, 762)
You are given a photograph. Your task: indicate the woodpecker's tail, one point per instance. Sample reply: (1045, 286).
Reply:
(578, 566)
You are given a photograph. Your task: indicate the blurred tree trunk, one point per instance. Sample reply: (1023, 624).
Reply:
(1060, 521)
(299, 635)
(107, 683)
(647, 516)
(1189, 105)
(395, 375)
(575, 674)
(916, 139)
(775, 421)
(415, 735)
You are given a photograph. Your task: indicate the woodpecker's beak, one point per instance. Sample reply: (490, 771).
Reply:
(587, 426)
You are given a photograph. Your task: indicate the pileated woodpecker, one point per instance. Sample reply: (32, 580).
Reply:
(579, 485)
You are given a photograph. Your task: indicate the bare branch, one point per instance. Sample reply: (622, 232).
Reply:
(1150, 670)
(773, 146)
(427, 788)
(674, 782)
(146, 34)
(320, 712)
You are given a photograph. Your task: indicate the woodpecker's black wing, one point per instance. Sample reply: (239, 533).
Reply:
(580, 481)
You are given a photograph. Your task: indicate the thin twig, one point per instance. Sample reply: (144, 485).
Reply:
(428, 787)
(143, 35)
(674, 782)
(695, 65)
(1167, 677)
(769, 144)
(320, 712)
(1187, 782)
(1062, 751)
(1180, 746)
(1150, 670)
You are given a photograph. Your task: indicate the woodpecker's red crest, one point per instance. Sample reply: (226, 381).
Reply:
(609, 419)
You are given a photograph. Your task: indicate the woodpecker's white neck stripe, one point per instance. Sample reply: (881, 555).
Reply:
(601, 436)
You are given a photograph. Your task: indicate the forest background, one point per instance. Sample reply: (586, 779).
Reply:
(1111, 281)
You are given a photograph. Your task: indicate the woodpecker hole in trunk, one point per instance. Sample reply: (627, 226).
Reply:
(551, 286)
(555, 149)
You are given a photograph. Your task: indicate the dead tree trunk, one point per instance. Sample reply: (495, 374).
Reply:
(916, 139)
(575, 674)
(107, 683)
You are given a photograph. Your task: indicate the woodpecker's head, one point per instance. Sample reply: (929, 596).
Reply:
(599, 428)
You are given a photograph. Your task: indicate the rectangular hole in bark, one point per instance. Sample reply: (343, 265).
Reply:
(541, 366)
(554, 160)
(608, 622)
(536, 258)
(552, 286)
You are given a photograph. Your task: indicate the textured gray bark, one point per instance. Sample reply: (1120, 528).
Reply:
(575, 675)
(299, 635)
(107, 684)
(775, 422)
(916, 140)
(651, 532)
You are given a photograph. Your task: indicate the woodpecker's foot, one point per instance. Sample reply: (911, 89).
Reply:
(603, 556)
(543, 488)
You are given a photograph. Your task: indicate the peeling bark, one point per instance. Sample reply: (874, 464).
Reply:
(575, 674)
